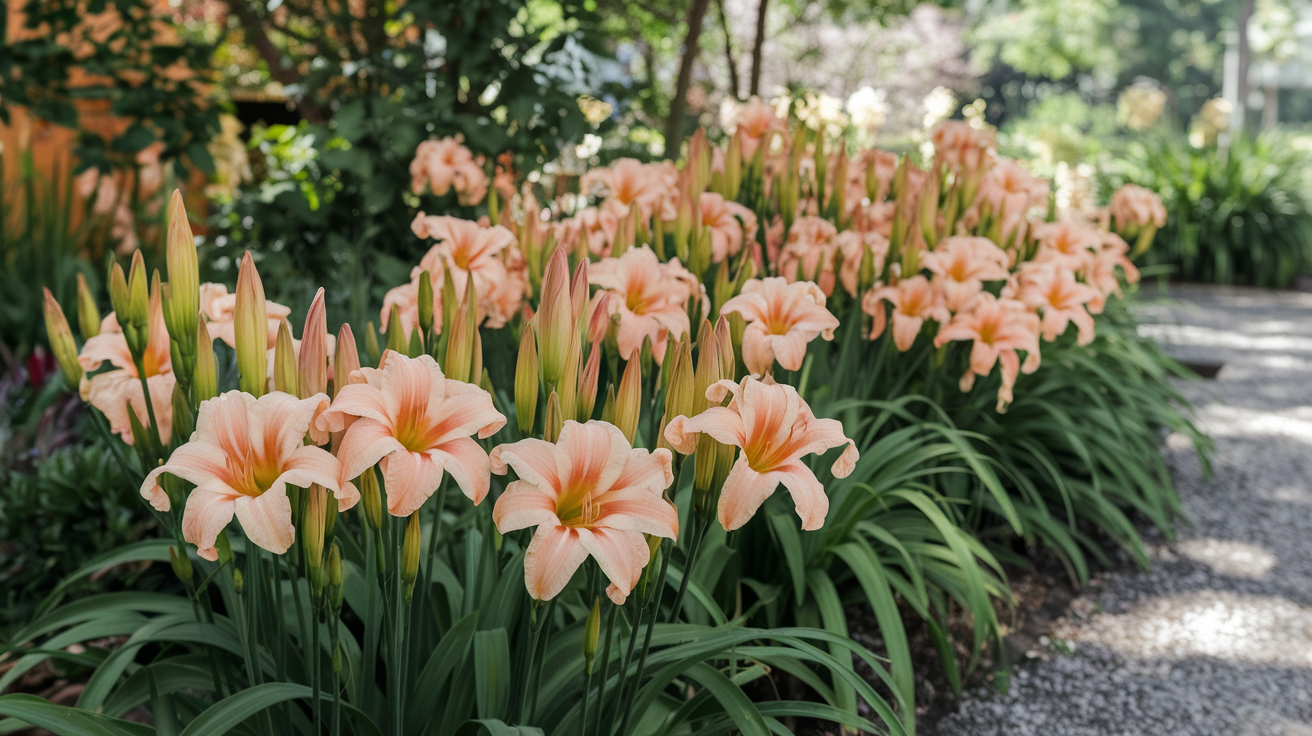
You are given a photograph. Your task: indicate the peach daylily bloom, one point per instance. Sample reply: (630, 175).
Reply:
(446, 164)
(1066, 242)
(810, 249)
(914, 300)
(469, 250)
(782, 319)
(1059, 298)
(244, 454)
(998, 328)
(649, 296)
(963, 148)
(962, 264)
(853, 246)
(220, 307)
(1134, 207)
(775, 428)
(590, 493)
(630, 182)
(756, 119)
(1101, 273)
(730, 224)
(598, 224)
(415, 423)
(114, 391)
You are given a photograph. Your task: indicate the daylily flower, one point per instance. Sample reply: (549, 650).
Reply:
(598, 224)
(1066, 242)
(998, 328)
(756, 119)
(775, 428)
(446, 164)
(810, 245)
(961, 147)
(914, 300)
(113, 391)
(415, 423)
(220, 308)
(1134, 207)
(469, 250)
(651, 297)
(729, 222)
(1058, 297)
(782, 319)
(630, 182)
(1101, 273)
(589, 493)
(853, 245)
(961, 265)
(244, 454)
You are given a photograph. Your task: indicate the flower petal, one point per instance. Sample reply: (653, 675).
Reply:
(534, 460)
(267, 519)
(521, 506)
(551, 560)
(744, 492)
(209, 509)
(410, 478)
(468, 465)
(365, 443)
(620, 554)
(808, 494)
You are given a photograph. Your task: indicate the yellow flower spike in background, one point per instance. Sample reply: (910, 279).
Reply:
(61, 340)
(251, 329)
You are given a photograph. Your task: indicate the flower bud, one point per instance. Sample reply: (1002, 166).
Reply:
(312, 363)
(591, 634)
(449, 301)
(628, 400)
(648, 583)
(88, 315)
(138, 315)
(724, 337)
(587, 397)
(182, 307)
(578, 290)
(284, 361)
(476, 357)
(223, 547)
(703, 478)
(668, 362)
(460, 342)
(928, 214)
(526, 381)
(872, 180)
(733, 168)
(396, 339)
(61, 340)
(556, 323)
(599, 320)
(238, 581)
(679, 397)
(181, 564)
(708, 366)
(333, 568)
(184, 418)
(839, 206)
(371, 498)
(313, 526)
(410, 552)
(646, 357)
(425, 302)
(371, 348)
(553, 421)
(118, 293)
(346, 359)
(251, 325)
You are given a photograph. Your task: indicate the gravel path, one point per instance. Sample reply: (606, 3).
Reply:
(1216, 640)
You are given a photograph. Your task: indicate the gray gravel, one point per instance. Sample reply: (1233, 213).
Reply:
(1217, 638)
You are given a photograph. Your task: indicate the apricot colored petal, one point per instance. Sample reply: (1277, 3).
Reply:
(209, 509)
(551, 561)
(267, 519)
(644, 471)
(789, 349)
(308, 465)
(593, 454)
(680, 436)
(723, 424)
(744, 492)
(410, 478)
(467, 409)
(639, 511)
(355, 400)
(534, 460)
(620, 554)
(523, 505)
(468, 465)
(808, 494)
(905, 330)
(365, 443)
(195, 462)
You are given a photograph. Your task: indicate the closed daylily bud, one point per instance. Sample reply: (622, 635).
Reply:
(608, 408)
(668, 362)
(703, 478)
(333, 568)
(865, 275)
(136, 328)
(733, 168)
(929, 210)
(182, 306)
(679, 397)
(330, 515)
(346, 359)
(88, 315)
(526, 381)
(415, 347)
(371, 348)
(591, 634)
(61, 340)
(708, 366)
(425, 302)
(725, 338)
(312, 363)
(205, 379)
(476, 358)
(628, 400)
(556, 324)
(460, 343)
(821, 161)
(449, 301)
(872, 180)
(223, 547)
(396, 339)
(720, 289)
(683, 229)
(238, 581)
(568, 389)
(313, 526)
(251, 324)
(284, 361)
(410, 554)
(181, 564)
(371, 498)
(184, 419)
(587, 398)
(578, 290)
(552, 422)
(646, 357)
(118, 293)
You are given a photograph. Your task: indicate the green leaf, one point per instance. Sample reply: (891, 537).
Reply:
(65, 721)
(732, 698)
(492, 672)
(494, 727)
(790, 543)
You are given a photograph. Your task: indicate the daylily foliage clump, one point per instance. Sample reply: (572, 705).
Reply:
(687, 337)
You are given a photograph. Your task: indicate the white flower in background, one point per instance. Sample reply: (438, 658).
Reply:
(1075, 188)
(821, 110)
(939, 105)
(729, 108)
(868, 109)
(589, 147)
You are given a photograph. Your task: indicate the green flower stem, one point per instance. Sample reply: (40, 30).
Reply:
(612, 613)
(646, 644)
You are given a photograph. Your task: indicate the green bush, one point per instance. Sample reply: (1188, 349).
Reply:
(1237, 215)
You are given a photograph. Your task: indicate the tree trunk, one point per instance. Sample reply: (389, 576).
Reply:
(678, 105)
(1245, 60)
(755, 88)
(734, 87)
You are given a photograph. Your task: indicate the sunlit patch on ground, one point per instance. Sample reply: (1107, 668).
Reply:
(1229, 558)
